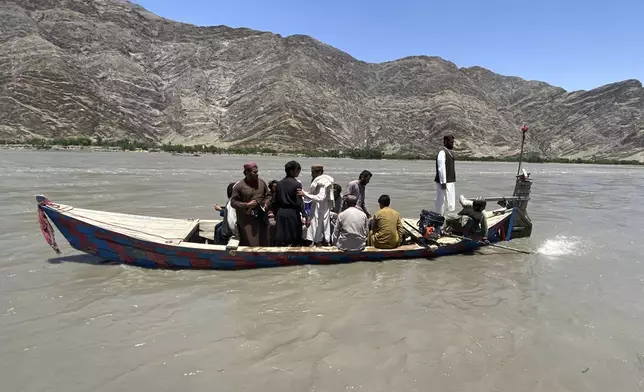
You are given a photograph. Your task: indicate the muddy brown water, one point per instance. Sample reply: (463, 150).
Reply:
(567, 318)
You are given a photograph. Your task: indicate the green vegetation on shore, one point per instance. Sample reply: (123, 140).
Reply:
(366, 153)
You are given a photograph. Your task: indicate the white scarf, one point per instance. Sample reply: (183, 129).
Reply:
(323, 180)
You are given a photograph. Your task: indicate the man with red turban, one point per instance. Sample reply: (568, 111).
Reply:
(250, 200)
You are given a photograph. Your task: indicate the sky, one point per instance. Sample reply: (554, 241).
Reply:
(574, 44)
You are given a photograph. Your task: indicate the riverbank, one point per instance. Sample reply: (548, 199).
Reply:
(86, 144)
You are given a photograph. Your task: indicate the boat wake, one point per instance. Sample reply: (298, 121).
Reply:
(561, 245)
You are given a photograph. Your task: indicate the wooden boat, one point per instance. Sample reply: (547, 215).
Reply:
(187, 243)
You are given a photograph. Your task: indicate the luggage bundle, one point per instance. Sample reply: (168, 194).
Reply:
(430, 224)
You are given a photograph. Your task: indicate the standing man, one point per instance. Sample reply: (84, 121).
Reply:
(445, 177)
(337, 198)
(250, 197)
(321, 197)
(357, 188)
(288, 207)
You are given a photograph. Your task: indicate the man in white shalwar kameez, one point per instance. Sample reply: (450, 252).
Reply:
(445, 177)
(322, 202)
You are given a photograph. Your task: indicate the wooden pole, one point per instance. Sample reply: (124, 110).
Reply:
(489, 244)
(524, 129)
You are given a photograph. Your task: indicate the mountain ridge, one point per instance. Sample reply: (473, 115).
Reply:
(113, 69)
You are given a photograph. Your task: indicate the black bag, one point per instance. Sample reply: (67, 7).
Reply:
(259, 213)
(430, 219)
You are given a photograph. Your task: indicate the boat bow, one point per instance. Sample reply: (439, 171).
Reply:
(145, 228)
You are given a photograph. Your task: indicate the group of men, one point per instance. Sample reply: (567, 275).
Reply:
(284, 214)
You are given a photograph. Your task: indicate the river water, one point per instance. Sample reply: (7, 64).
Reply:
(569, 317)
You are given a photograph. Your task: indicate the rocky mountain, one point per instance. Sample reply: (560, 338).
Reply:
(112, 69)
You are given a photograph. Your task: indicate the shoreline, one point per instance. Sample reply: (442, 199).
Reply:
(198, 150)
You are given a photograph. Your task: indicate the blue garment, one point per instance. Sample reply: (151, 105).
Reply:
(220, 237)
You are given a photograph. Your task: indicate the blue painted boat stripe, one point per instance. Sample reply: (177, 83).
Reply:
(508, 236)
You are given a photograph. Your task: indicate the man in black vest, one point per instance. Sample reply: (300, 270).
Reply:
(445, 177)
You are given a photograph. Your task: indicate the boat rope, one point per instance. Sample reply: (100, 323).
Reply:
(46, 228)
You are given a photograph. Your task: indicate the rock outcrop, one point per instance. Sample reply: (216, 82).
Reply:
(112, 69)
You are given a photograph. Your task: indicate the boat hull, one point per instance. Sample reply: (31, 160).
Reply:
(120, 248)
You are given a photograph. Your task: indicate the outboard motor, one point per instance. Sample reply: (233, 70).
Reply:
(430, 224)
(522, 190)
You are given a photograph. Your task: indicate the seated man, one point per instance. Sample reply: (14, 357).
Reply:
(386, 227)
(350, 233)
(471, 221)
(227, 228)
